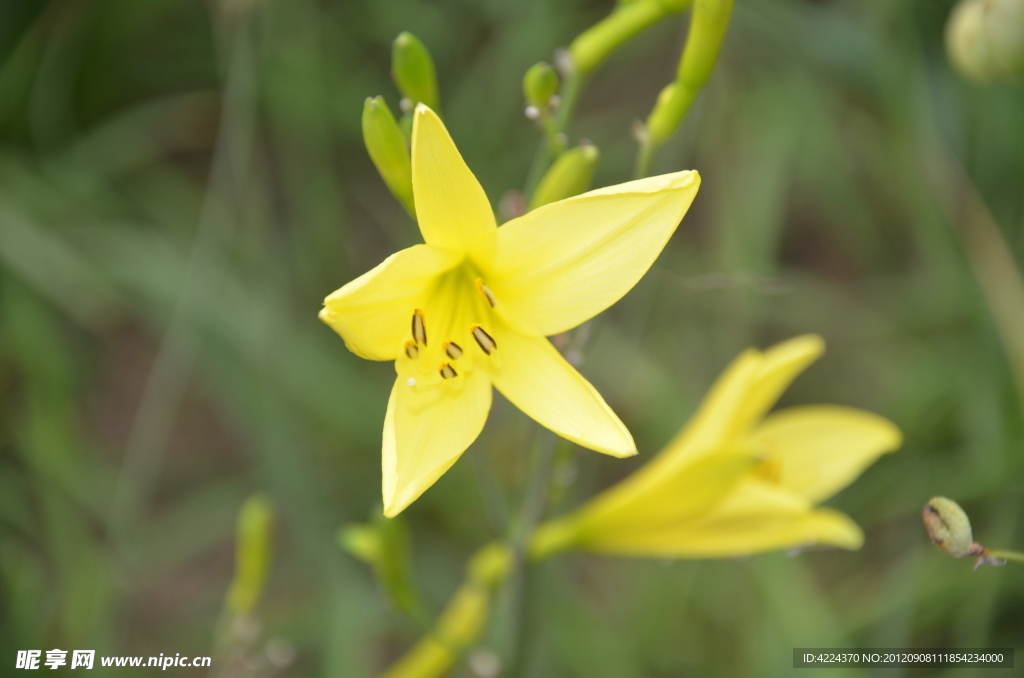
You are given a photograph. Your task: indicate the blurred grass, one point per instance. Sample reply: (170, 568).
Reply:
(180, 186)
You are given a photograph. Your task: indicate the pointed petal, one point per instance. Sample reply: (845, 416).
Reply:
(653, 499)
(823, 448)
(451, 206)
(567, 261)
(756, 517)
(372, 313)
(737, 400)
(780, 365)
(425, 431)
(538, 380)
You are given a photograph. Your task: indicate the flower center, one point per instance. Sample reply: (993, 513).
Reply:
(451, 334)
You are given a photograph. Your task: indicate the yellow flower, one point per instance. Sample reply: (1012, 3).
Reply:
(472, 307)
(734, 481)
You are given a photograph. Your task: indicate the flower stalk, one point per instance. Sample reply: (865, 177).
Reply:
(708, 26)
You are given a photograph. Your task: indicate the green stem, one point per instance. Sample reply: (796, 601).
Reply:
(549, 148)
(1005, 555)
(508, 627)
(644, 155)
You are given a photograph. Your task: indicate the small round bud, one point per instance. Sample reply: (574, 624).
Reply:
(985, 39)
(540, 84)
(949, 527)
(532, 112)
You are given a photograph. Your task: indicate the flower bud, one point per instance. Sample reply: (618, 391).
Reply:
(253, 543)
(384, 545)
(570, 175)
(949, 527)
(490, 565)
(703, 43)
(985, 39)
(668, 112)
(385, 143)
(594, 45)
(540, 84)
(413, 71)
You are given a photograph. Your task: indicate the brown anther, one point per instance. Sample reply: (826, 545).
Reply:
(412, 351)
(486, 341)
(447, 371)
(452, 350)
(484, 290)
(419, 327)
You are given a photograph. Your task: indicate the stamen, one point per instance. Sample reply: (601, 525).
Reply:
(411, 349)
(484, 290)
(452, 350)
(486, 341)
(447, 372)
(419, 327)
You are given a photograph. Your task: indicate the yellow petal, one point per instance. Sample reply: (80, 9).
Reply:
(538, 380)
(567, 261)
(747, 388)
(649, 500)
(823, 448)
(426, 430)
(451, 206)
(780, 365)
(754, 518)
(372, 313)
(713, 425)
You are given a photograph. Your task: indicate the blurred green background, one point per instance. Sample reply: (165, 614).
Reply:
(182, 182)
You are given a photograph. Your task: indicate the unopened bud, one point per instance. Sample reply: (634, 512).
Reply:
(985, 39)
(570, 175)
(540, 84)
(591, 47)
(413, 71)
(384, 545)
(253, 543)
(949, 527)
(386, 145)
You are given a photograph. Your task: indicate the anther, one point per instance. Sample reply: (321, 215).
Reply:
(484, 290)
(419, 327)
(447, 371)
(411, 349)
(452, 350)
(486, 341)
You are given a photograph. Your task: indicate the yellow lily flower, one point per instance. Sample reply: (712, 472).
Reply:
(735, 481)
(471, 308)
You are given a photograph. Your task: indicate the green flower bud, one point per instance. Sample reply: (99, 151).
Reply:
(386, 145)
(985, 39)
(570, 175)
(413, 71)
(668, 112)
(253, 545)
(490, 565)
(540, 84)
(384, 545)
(949, 527)
(594, 45)
(703, 43)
